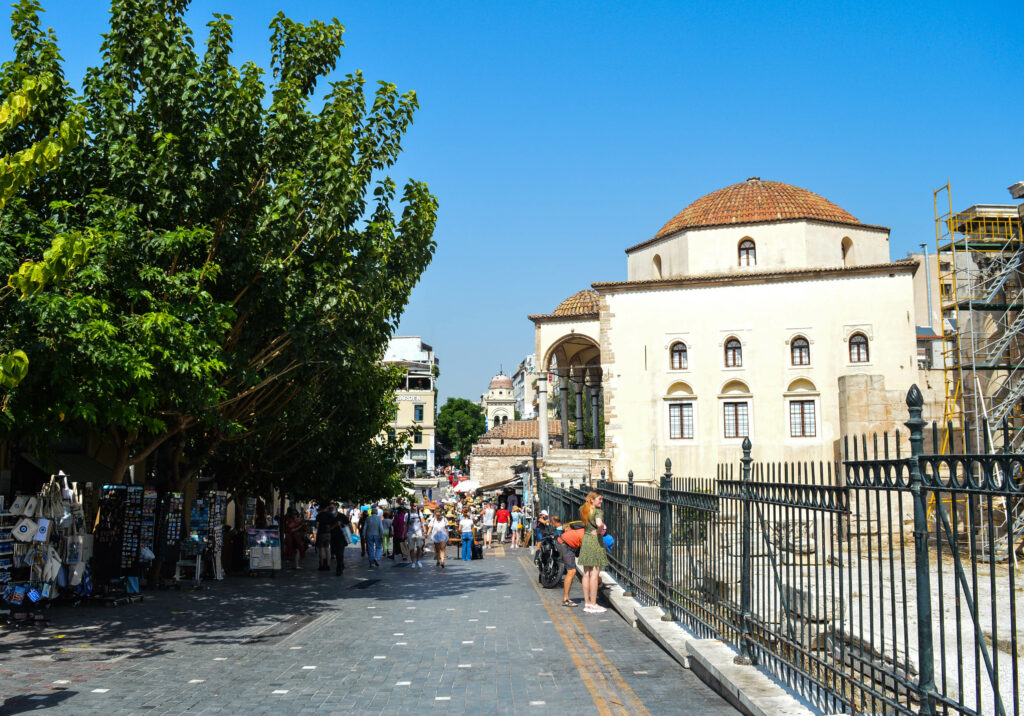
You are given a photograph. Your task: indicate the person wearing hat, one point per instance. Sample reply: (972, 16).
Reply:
(543, 527)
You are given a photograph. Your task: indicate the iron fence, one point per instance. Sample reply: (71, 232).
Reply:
(885, 584)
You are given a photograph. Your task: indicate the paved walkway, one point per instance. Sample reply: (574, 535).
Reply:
(478, 637)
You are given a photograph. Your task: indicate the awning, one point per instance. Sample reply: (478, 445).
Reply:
(495, 486)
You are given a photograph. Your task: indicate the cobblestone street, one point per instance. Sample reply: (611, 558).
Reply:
(477, 637)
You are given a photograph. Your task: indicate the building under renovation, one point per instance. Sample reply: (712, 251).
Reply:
(981, 287)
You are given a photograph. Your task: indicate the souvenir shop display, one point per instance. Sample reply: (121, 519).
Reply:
(44, 550)
(264, 550)
(124, 530)
(205, 535)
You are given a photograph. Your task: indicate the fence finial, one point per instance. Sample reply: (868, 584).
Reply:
(914, 397)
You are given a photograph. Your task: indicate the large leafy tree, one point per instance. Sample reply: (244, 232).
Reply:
(253, 257)
(459, 423)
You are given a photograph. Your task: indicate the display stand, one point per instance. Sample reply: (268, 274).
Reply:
(206, 536)
(125, 514)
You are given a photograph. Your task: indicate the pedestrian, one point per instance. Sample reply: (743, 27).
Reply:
(488, 523)
(438, 529)
(295, 529)
(363, 514)
(338, 540)
(592, 553)
(373, 532)
(414, 535)
(517, 525)
(501, 518)
(466, 534)
(568, 545)
(325, 522)
(398, 527)
(543, 527)
(388, 522)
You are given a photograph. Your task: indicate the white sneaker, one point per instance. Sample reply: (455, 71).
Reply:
(412, 566)
(419, 564)
(597, 609)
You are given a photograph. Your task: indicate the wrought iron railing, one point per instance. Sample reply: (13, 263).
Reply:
(887, 585)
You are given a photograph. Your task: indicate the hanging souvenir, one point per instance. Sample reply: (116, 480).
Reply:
(24, 530)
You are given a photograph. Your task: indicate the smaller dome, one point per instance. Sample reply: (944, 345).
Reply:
(579, 303)
(500, 381)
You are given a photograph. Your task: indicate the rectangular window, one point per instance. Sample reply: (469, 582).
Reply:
(736, 420)
(801, 419)
(680, 421)
(417, 413)
(417, 437)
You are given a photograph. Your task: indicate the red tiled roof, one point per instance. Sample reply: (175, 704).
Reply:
(755, 201)
(521, 430)
(583, 302)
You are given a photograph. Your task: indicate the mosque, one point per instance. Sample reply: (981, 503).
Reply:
(761, 310)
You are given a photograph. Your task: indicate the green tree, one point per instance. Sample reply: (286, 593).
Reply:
(251, 261)
(460, 423)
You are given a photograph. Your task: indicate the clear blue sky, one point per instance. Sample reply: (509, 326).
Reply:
(557, 134)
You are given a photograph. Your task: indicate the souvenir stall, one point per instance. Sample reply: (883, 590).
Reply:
(44, 552)
(205, 537)
(123, 533)
(264, 550)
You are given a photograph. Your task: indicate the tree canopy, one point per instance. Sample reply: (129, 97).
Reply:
(459, 423)
(249, 256)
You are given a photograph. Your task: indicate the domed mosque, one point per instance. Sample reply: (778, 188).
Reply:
(761, 310)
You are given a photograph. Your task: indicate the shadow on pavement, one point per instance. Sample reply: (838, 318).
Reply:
(35, 702)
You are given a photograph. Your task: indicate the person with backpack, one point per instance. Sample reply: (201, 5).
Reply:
(568, 545)
(466, 531)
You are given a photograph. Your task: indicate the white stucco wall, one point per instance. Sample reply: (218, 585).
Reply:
(643, 323)
(781, 245)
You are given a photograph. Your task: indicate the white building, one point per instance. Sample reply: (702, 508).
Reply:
(524, 388)
(415, 409)
(761, 310)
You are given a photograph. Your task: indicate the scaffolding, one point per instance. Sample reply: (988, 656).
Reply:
(980, 256)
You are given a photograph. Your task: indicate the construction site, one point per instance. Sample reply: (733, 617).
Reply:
(980, 256)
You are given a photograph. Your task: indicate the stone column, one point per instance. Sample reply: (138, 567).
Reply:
(563, 403)
(595, 414)
(542, 419)
(580, 437)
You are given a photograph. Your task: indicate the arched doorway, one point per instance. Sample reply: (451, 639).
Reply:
(575, 362)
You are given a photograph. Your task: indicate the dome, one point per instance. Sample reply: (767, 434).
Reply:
(755, 201)
(500, 381)
(579, 303)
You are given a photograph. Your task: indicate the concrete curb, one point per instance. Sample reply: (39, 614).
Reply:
(751, 691)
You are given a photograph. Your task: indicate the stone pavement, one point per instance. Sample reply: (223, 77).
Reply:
(477, 637)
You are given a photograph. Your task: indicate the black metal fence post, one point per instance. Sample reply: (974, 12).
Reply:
(745, 653)
(628, 591)
(926, 656)
(665, 563)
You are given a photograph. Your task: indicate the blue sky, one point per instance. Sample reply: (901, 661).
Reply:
(557, 134)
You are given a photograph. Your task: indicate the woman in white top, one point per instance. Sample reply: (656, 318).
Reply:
(438, 530)
(466, 532)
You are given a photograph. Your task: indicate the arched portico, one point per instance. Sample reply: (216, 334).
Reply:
(574, 361)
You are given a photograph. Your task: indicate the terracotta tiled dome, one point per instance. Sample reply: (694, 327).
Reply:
(583, 302)
(500, 381)
(756, 201)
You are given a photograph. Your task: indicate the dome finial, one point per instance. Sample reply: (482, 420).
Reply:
(753, 178)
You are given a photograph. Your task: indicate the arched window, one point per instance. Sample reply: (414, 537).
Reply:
(748, 253)
(800, 351)
(847, 247)
(858, 348)
(678, 361)
(733, 353)
(656, 265)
